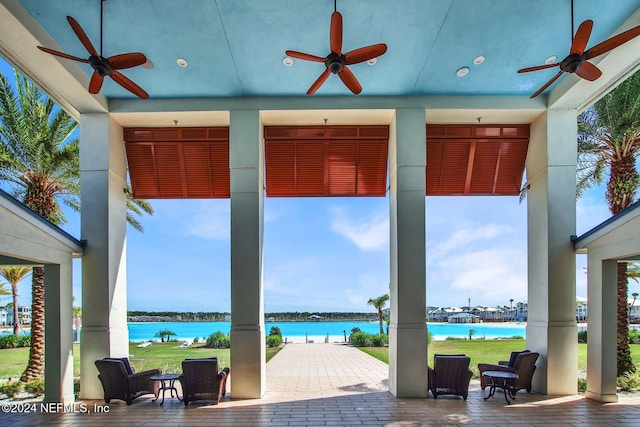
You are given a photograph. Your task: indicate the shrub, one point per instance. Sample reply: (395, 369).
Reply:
(15, 341)
(76, 387)
(379, 340)
(429, 338)
(455, 339)
(218, 340)
(630, 381)
(582, 336)
(634, 336)
(516, 337)
(274, 341)
(11, 389)
(35, 387)
(275, 331)
(363, 339)
(354, 330)
(582, 385)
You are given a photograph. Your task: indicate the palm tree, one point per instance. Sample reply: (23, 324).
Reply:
(14, 275)
(40, 160)
(4, 290)
(609, 143)
(379, 304)
(165, 333)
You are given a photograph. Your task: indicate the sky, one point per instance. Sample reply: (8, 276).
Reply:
(330, 254)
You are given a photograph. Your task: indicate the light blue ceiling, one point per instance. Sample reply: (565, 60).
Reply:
(236, 47)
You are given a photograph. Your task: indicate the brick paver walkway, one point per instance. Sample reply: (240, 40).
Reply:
(337, 385)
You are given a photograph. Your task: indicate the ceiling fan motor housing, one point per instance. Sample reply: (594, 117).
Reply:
(335, 63)
(572, 62)
(101, 65)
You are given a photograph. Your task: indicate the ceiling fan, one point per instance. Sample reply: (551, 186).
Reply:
(577, 61)
(104, 66)
(336, 62)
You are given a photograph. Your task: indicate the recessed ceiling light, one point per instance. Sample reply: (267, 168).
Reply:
(182, 62)
(288, 62)
(148, 64)
(462, 71)
(372, 61)
(478, 60)
(551, 60)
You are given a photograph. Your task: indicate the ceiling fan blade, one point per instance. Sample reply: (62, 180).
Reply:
(96, 83)
(613, 42)
(588, 71)
(63, 55)
(319, 81)
(580, 40)
(123, 81)
(335, 35)
(365, 53)
(350, 81)
(536, 68)
(547, 84)
(305, 56)
(82, 36)
(127, 60)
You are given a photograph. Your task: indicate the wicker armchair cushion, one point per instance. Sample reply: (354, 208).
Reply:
(125, 360)
(514, 355)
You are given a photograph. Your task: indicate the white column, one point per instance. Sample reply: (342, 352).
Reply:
(407, 330)
(58, 368)
(602, 289)
(103, 227)
(248, 375)
(551, 219)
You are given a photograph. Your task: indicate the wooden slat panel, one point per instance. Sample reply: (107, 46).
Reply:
(454, 167)
(310, 168)
(168, 169)
(488, 158)
(197, 168)
(435, 152)
(221, 179)
(142, 170)
(280, 168)
(372, 168)
(484, 167)
(178, 162)
(342, 168)
(512, 159)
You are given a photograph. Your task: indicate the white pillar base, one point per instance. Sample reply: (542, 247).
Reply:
(248, 378)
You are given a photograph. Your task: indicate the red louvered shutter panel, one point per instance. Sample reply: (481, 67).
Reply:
(176, 163)
(142, 170)
(372, 168)
(476, 159)
(310, 168)
(280, 160)
(342, 168)
(326, 161)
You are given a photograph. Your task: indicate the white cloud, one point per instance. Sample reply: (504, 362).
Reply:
(369, 235)
(209, 219)
(462, 237)
(489, 277)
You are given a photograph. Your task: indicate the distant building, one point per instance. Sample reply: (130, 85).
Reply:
(463, 318)
(314, 317)
(24, 314)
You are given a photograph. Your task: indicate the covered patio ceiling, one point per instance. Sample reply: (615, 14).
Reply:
(235, 51)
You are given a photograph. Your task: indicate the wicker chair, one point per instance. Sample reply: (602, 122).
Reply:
(201, 380)
(450, 375)
(119, 381)
(522, 363)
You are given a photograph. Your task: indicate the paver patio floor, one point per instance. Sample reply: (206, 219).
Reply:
(334, 384)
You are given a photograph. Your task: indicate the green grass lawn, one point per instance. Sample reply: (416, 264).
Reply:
(167, 356)
(487, 351)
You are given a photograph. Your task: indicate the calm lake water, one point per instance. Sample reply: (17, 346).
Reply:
(188, 330)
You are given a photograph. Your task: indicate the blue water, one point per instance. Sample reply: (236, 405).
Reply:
(189, 330)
